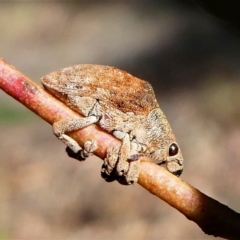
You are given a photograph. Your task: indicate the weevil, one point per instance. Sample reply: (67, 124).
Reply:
(124, 106)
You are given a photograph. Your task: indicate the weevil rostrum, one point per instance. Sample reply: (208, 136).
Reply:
(124, 106)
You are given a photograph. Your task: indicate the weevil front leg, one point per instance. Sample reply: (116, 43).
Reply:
(108, 171)
(117, 165)
(127, 169)
(74, 150)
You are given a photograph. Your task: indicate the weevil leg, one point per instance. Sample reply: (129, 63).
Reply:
(108, 171)
(73, 148)
(132, 174)
(88, 149)
(117, 166)
(127, 170)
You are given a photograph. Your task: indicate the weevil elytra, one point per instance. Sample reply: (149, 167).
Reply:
(123, 105)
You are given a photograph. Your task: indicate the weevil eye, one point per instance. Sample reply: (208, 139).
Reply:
(173, 149)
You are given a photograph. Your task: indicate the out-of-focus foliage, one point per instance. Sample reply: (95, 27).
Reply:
(190, 58)
(12, 114)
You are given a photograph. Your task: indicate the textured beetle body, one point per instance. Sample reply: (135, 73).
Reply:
(123, 105)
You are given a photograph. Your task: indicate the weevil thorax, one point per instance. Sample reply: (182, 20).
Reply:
(161, 142)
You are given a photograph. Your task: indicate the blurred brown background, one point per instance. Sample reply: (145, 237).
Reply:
(192, 60)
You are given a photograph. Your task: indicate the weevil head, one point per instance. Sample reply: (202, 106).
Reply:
(165, 148)
(169, 154)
